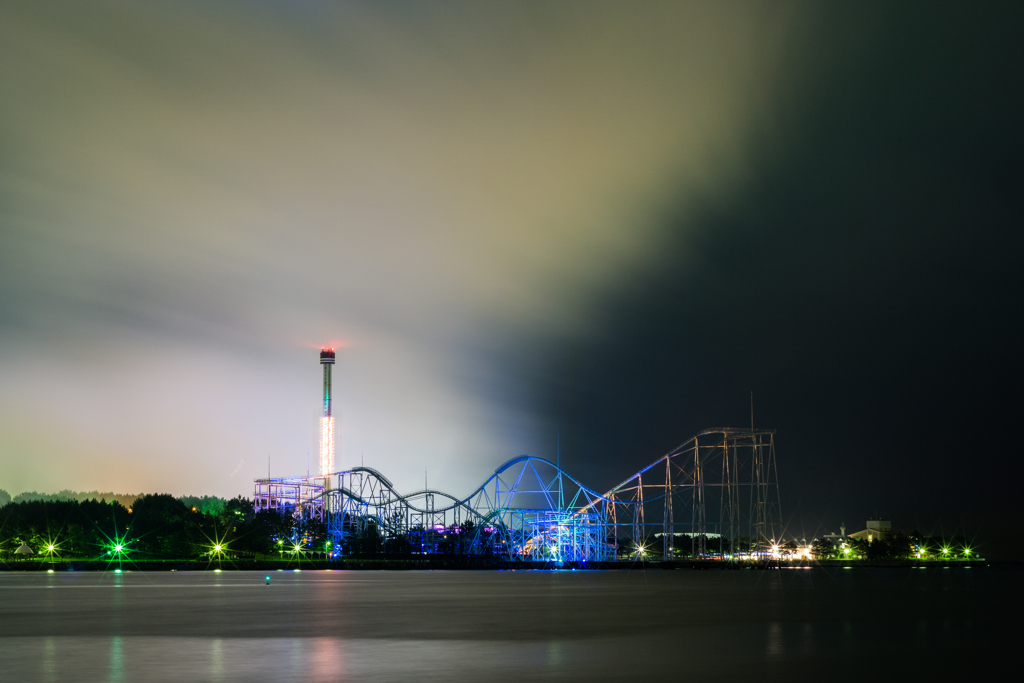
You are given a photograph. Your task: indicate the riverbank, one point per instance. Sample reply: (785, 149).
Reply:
(436, 562)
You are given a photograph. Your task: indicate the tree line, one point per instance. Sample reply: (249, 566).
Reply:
(894, 546)
(125, 499)
(156, 526)
(160, 526)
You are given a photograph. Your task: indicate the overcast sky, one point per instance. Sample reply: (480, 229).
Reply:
(519, 222)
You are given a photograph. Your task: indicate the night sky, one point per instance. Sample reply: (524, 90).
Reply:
(521, 224)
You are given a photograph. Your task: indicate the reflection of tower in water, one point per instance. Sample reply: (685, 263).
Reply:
(327, 419)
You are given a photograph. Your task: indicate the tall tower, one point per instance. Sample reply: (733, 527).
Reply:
(327, 420)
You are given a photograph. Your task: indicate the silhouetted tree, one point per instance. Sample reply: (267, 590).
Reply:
(823, 549)
(398, 546)
(164, 526)
(364, 543)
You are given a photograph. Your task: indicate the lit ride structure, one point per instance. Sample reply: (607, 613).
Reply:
(715, 496)
(327, 419)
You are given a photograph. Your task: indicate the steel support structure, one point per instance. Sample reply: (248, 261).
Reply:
(718, 492)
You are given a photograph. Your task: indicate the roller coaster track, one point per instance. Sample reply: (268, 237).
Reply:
(464, 503)
(720, 483)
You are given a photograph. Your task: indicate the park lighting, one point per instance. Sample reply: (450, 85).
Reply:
(117, 546)
(216, 545)
(218, 548)
(52, 548)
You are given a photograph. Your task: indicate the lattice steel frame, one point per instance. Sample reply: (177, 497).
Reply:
(721, 482)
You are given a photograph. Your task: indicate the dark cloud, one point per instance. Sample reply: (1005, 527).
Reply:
(863, 282)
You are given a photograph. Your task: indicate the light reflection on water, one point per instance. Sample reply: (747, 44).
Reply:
(168, 658)
(495, 626)
(216, 660)
(325, 658)
(116, 659)
(48, 669)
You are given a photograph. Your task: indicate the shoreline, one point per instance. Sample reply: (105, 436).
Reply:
(471, 564)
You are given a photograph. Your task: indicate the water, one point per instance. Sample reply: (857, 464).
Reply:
(821, 624)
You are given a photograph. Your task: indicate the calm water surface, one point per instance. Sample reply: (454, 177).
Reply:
(822, 624)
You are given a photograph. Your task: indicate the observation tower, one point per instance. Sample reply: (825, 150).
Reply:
(327, 419)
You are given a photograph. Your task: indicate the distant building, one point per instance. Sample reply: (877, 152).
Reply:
(837, 538)
(877, 528)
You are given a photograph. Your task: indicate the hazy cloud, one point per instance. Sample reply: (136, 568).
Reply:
(195, 196)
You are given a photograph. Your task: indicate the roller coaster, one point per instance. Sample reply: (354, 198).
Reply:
(715, 496)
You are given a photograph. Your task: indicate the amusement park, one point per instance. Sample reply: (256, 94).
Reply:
(713, 497)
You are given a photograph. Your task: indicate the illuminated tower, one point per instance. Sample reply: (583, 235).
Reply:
(327, 420)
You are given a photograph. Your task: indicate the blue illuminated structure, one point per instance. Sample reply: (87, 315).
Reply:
(720, 484)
